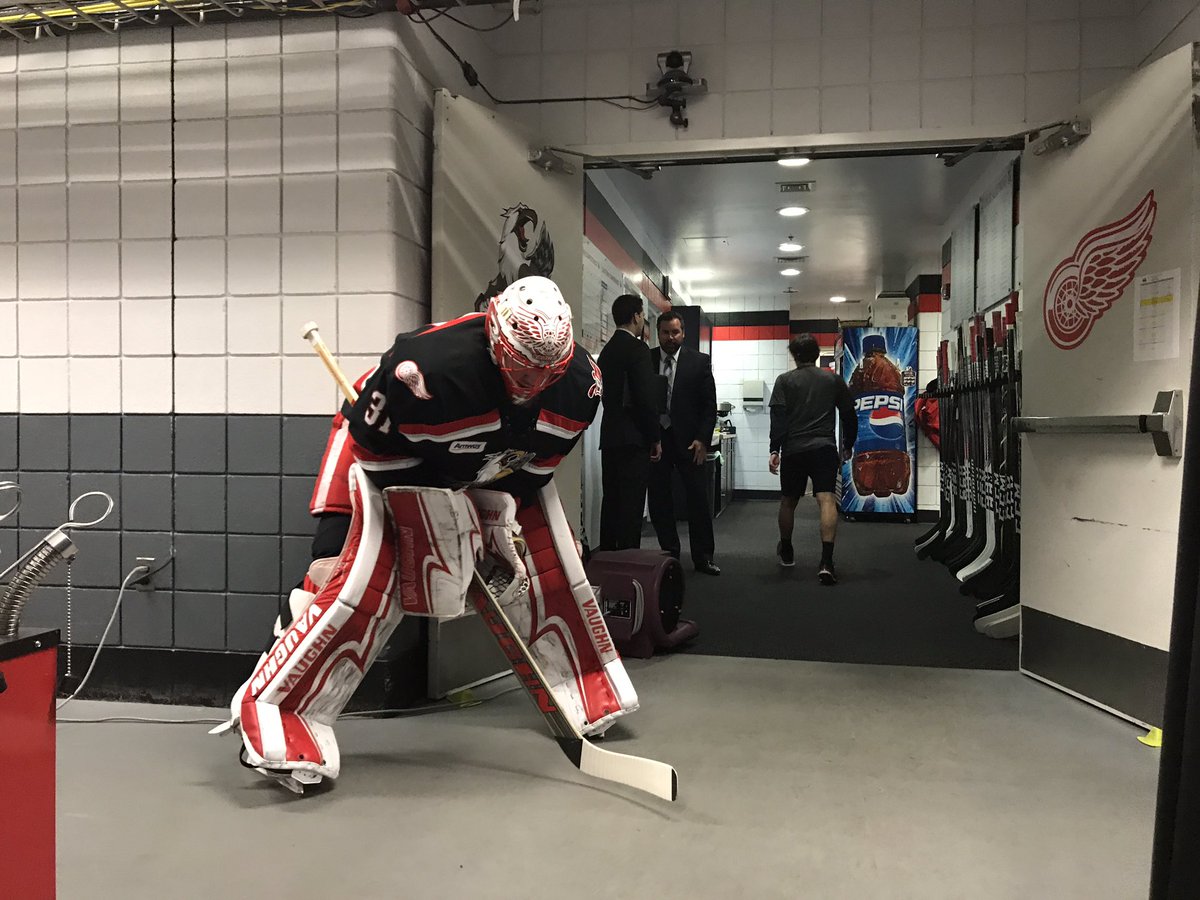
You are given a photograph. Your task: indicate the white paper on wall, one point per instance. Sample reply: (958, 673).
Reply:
(602, 283)
(1156, 316)
(995, 274)
(962, 270)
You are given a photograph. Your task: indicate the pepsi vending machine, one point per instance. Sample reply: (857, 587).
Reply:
(879, 366)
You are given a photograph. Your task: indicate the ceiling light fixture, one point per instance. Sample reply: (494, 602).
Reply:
(792, 211)
(790, 246)
(789, 273)
(837, 299)
(694, 274)
(794, 162)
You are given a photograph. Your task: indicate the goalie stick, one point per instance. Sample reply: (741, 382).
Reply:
(492, 581)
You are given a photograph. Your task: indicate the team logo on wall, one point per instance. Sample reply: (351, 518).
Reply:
(525, 249)
(1084, 285)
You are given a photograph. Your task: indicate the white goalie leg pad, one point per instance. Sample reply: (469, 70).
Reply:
(287, 708)
(559, 617)
(438, 540)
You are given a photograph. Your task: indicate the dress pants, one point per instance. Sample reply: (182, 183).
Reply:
(662, 501)
(624, 473)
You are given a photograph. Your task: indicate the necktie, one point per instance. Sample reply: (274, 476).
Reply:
(669, 371)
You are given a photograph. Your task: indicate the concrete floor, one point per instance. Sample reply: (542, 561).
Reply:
(797, 780)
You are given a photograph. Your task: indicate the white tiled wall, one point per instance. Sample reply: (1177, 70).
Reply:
(929, 328)
(300, 155)
(738, 304)
(735, 362)
(795, 67)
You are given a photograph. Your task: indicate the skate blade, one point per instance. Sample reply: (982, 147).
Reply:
(224, 727)
(295, 782)
(286, 780)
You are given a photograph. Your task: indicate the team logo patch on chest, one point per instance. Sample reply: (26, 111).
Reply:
(505, 462)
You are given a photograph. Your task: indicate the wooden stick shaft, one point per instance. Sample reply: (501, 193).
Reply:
(314, 338)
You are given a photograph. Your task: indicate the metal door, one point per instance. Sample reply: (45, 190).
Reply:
(1108, 306)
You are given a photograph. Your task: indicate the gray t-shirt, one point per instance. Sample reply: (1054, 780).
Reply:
(803, 404)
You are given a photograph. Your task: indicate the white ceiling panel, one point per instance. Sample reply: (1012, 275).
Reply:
(871, 222)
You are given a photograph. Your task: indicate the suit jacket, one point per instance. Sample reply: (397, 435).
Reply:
(630, 388)
(694, 397)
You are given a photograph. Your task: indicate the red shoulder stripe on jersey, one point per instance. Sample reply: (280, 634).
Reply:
(358, 385)
(438, 326)
(362, 454)
(448, 431)
(559, 425)
(544, 465)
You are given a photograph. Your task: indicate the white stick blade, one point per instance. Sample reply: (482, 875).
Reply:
(647, 775)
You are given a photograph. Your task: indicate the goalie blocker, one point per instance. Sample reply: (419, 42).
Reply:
(413, 550)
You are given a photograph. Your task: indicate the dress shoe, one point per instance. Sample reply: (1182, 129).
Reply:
(708, 567)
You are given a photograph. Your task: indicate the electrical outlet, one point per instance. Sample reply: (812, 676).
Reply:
(146, 582)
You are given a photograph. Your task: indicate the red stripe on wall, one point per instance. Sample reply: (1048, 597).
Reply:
(827, 339)
(616, 254)
(927, 303)
(753, 333)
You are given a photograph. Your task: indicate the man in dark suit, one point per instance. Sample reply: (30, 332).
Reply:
(629, 429)
(687, 432)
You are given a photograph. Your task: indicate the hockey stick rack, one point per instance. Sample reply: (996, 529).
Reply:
(977, 535)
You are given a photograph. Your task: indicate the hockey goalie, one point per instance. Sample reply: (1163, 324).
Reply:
(449, 450)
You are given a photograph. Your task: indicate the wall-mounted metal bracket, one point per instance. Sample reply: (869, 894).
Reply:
(1164, 424)
(1067, 135)
(545, 158)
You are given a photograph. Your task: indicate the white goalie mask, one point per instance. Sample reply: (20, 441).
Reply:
(529, 332)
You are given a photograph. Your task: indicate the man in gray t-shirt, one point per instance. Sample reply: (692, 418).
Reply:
(804, 445)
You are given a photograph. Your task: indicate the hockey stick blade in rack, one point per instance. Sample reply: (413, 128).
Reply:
(649, 775)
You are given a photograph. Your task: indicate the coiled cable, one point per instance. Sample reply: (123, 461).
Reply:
(37, 562)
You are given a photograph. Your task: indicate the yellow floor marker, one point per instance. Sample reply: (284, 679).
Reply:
(1153, 738)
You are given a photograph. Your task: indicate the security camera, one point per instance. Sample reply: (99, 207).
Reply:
(674, 66)
(675, 83)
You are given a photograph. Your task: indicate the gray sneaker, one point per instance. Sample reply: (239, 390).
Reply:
(787, 556)
(826, 574)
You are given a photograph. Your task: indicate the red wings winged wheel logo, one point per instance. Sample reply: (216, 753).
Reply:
(410, 373)
(597, 388)
(1084, 285)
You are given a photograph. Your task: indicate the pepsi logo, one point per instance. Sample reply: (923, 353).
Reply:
(887, 422)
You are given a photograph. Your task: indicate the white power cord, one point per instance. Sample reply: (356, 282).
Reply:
(104, 636)
(135, 573)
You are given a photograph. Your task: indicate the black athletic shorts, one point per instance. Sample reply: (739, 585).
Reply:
(820, 464)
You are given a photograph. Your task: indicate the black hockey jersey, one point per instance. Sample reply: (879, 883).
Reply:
(435, 412)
